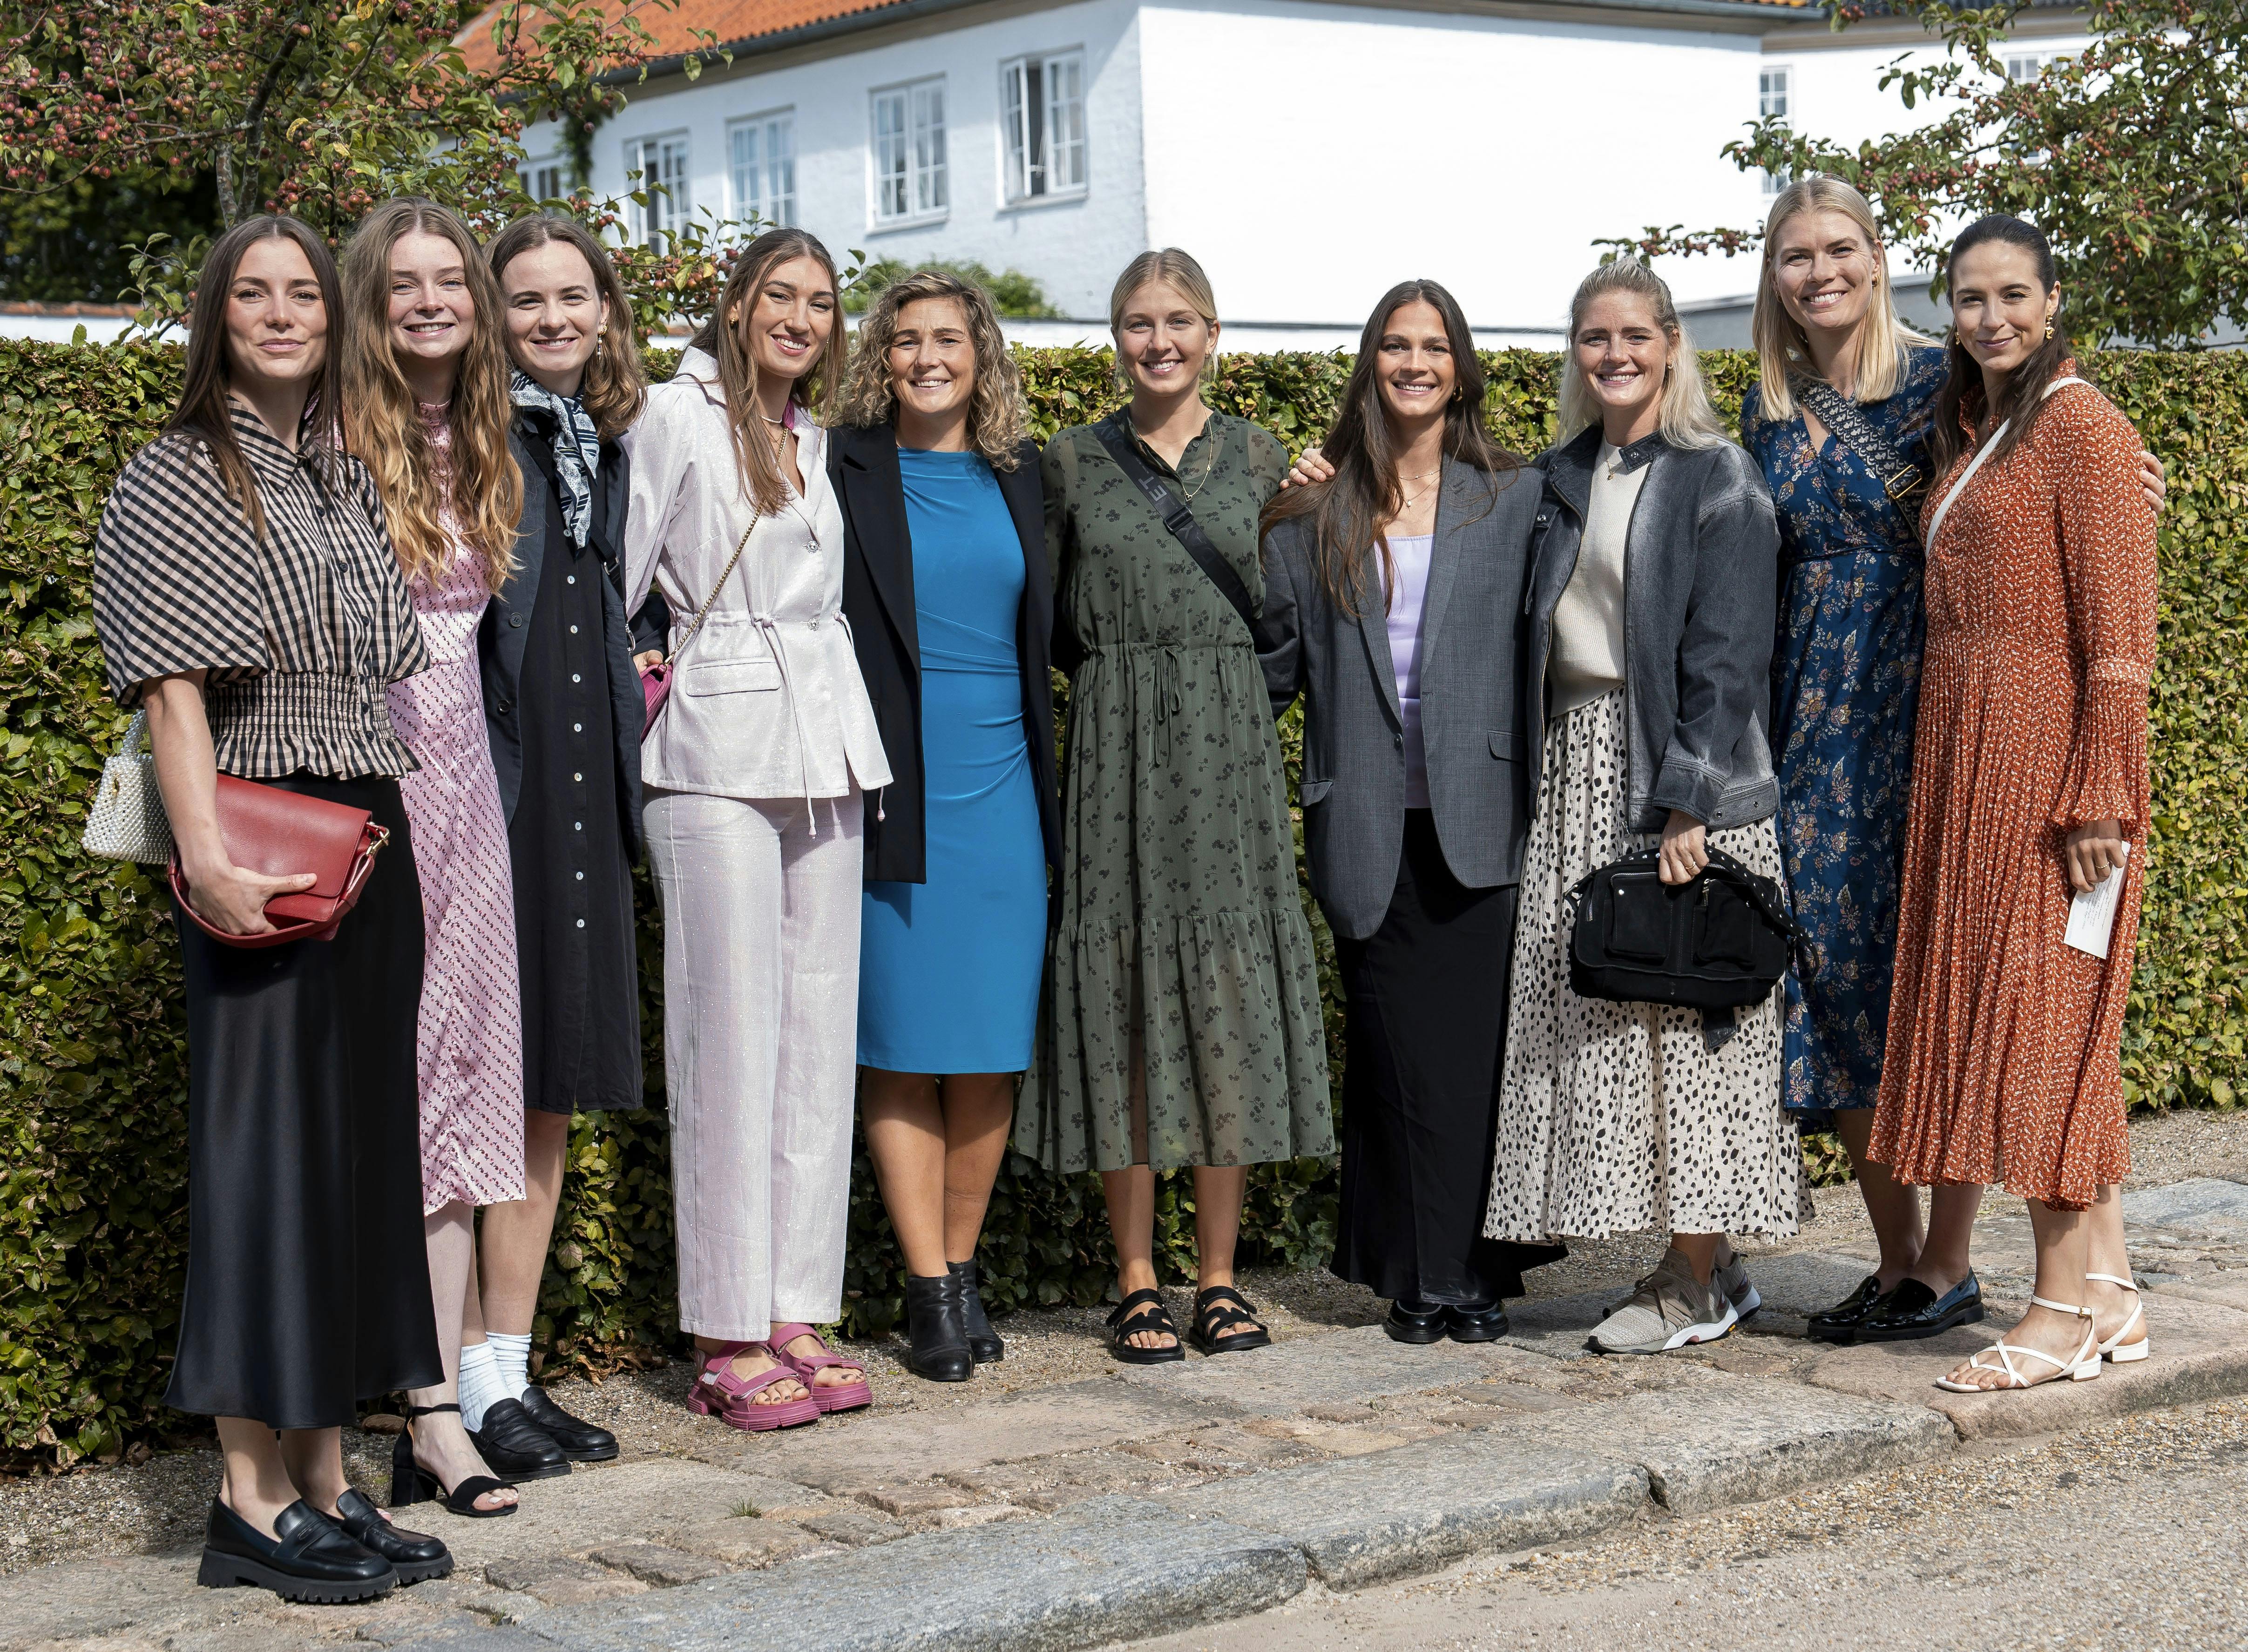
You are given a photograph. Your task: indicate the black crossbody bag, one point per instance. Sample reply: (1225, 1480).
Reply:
(1901, 480)
(1179, 520)
(1718, 943)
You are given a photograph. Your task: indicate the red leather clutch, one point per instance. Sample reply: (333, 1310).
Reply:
(281, 833)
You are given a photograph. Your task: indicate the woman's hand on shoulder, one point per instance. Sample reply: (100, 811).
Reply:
(2154, 479)
(1311, 467)
(1685, 848)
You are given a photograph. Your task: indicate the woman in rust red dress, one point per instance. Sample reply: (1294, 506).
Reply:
(2029, 787)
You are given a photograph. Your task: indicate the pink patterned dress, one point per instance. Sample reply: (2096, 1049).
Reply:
(470, 1034)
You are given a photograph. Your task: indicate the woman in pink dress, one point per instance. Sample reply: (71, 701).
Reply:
(426, 408)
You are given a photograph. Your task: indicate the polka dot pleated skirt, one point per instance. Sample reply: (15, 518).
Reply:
(1628, 1118)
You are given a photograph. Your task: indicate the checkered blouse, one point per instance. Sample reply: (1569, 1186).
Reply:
(299, 632)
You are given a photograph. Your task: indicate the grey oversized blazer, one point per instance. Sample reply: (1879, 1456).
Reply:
(1472, 703)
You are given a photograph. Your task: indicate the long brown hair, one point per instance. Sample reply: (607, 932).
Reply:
(1348, 510)
(479, 483)
(996, 417)
(738, 369)
(616, 386)
(203, 412)
(2024, 397)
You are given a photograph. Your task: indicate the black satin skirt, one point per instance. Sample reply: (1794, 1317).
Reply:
(308, 1284)
(1425, 1032)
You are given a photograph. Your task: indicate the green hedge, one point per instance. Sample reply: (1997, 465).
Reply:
(92, 1076)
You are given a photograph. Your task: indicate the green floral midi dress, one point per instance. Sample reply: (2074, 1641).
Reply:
(1181, 944)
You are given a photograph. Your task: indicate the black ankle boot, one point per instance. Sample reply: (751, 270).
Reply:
(940, 1351)
(983, 1341)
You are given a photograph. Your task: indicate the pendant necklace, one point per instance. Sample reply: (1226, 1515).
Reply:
(788, 494)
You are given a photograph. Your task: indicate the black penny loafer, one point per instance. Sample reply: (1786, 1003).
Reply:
(515, 1448)
(309, 1558)
(581, 1441)
(1843, 1322)
(1475, 1323)
(1913, 1310)
(414, 1555)
(1415, 1323)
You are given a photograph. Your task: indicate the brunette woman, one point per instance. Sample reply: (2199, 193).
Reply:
(247, 599)
(1185, 1025)
(564, 707)
(944, 583)
(425, 408)
(754, 773)
(1393, 605)
(2029, 787)
(1650, 612)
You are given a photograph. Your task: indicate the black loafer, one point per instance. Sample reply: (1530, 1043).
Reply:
(309, 1558)
(515, 1448)
(983, 1341)
(416, 1558)
(1843, 1322)
(1475, 1323)
(581, 1441)
(1913, 1310)
(1415, 1323)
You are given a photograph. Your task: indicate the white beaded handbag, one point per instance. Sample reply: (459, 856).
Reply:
(128, 821)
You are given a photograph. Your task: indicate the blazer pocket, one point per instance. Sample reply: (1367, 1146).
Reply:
(1505, 746)
(729, 677)
(1313, 791)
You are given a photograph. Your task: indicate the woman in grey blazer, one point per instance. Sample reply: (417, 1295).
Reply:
(1393, 604)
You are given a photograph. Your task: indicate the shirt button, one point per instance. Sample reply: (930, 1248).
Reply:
(581, 922)
(577, 728)
(579, 778)
(569, 579)
(578, 825)
(582, 877)
(575, 678)
(573, 630)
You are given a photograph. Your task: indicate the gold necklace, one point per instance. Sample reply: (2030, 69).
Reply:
(1209, 467)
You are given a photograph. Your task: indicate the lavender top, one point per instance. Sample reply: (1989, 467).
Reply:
(1409, 560)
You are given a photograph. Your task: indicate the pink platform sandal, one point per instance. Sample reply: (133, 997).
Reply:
(834, 1397)
(719, 1392)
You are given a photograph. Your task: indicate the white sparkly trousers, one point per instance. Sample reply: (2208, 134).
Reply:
(760, 1041)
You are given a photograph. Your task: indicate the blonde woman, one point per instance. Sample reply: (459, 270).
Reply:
(944, 583)
(754, 773)
(1185, 1027)
(1841, 426)
(426, 409)
(1647, 720)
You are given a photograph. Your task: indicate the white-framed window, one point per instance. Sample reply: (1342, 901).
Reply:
(546, 178)
(657, 167)
(761, 149)
(910, 176)
(1042, 109)
(1775, 100)
(2027, 65)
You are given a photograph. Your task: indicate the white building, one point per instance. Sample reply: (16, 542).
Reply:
(1309, 152)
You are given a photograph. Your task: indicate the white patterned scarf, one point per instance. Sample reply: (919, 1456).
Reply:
(577, 450)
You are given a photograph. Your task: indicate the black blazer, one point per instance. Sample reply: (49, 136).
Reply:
(500, 638)
(878, 600)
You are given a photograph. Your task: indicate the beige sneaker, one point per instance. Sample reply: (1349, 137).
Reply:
(1731, 1277)
(1668, 1310)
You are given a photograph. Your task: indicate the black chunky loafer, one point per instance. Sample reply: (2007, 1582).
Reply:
(415, 1556)
(309, 1558)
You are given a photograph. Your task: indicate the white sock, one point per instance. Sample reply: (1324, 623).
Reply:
(480, 1384)
(511, 1354)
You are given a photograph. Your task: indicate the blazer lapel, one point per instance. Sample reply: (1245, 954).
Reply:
(1444, 555)
(1374, 625)
(1025, 495)
(875, 492)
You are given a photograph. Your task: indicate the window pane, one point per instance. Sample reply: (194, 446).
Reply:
(748, 195)
(928, 148)
(890, 155)
(1017, 117)
(1066, 123)
(780, 161)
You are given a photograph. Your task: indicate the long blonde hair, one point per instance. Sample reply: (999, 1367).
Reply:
(479, 484)
(721, 339)
(1688, 421)
(997, 416)
(1881, 340)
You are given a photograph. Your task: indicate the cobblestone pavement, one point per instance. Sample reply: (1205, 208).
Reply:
(1335, 1461)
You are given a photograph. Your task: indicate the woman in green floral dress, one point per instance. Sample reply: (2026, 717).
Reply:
(1183, 1025)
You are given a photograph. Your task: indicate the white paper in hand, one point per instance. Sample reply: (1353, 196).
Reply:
(2091, 914)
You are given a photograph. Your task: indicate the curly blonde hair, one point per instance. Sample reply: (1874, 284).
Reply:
(996, 417)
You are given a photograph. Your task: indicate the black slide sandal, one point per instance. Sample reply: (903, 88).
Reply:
(1152, 1315)
(1218, 1310)
(410, 1483)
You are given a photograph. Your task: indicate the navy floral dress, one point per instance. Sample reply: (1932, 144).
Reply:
(1845, 694)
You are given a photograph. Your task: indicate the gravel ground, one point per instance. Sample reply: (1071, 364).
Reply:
(159, 1505)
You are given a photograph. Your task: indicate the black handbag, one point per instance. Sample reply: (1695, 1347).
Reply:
(1718, 943)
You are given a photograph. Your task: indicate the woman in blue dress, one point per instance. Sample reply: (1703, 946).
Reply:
(1840, 423)
(946, 590)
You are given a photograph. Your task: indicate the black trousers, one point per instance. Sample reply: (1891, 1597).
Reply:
(308, 1281)
(1426, 1041)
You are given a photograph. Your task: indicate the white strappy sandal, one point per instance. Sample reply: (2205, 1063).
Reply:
(2114, 1348)
(2082, 1368)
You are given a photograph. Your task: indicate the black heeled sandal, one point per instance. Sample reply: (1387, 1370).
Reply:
(1142, 1310)
(410, 1483)
(1217, 1311)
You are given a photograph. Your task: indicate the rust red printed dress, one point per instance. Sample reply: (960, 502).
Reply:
(2001, 1062)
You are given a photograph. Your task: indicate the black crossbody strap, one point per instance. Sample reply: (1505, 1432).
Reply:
(1178, 519)
(1899, 476)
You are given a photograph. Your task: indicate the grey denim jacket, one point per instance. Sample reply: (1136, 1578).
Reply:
(1701, 584)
